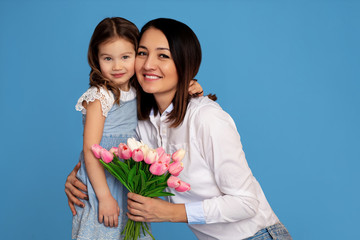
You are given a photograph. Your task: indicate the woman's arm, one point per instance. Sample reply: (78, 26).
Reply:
(94, 125)
(219, 143)
(72, 186)
(145, 209)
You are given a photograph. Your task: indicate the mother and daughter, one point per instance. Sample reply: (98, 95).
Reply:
(225, 201)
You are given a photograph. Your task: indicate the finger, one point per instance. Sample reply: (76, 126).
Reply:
(116, 222)
(136, 218)
(69, 187)
(134, 205)
(111, 221)
(101, 217)
(135, 212)
(73, 199)
(106, 220)
(72, 207)
(77, 167)
(79, 184)
(136, 197)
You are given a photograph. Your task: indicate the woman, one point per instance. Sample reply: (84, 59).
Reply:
(226, 201)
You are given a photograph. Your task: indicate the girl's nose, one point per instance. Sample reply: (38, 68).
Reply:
(117, 66)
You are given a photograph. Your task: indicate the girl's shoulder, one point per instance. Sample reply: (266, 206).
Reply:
(105, 97)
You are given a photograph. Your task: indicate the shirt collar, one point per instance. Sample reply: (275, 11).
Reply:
(164, 114)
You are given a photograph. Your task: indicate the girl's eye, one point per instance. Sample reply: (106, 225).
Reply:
(163, 56)
(126, 57)
(107, 58)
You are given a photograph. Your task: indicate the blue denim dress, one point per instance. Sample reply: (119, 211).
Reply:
(120, 125)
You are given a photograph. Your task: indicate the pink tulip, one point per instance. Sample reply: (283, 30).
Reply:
(137, 155)
(183, 187)
(124, 151)
(158, 168)
(173, 182)
(151, 157)
(114, 150)
(96, 148)
(106, 156)
(178, 155)
(175, 168)
(160, 151)
(164, 158)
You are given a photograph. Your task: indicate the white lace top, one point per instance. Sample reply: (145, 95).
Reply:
(105, 97)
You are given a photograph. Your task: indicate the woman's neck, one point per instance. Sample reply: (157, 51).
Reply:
(164, 100)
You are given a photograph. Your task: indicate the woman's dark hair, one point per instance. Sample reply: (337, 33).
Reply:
(107, 29)
(186, 52)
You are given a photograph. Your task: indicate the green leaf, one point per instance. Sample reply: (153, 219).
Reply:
(143, 184)
(130, 178)
(158, 189)
(136, 180)
(114, 173)
(161, 194)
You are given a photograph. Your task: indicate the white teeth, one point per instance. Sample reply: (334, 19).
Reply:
(151, 77)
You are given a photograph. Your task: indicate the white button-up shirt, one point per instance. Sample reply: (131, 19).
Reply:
(225, 200)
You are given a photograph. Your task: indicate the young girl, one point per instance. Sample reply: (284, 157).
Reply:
(109, 117)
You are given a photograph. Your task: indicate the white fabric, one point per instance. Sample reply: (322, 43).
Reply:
(105, 97)
(221, 181)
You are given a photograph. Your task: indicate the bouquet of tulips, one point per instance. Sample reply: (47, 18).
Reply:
(144, 171)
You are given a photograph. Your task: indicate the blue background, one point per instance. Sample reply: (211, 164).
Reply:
(288, 72)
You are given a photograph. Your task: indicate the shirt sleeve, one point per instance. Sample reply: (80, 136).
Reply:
(219, 142)
(195, 213)
(105, 97)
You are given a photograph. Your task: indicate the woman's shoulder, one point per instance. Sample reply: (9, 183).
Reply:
(105, 97)
(204, 111)
(203, 105)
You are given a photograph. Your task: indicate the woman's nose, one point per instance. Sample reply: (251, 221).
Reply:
(150, 63)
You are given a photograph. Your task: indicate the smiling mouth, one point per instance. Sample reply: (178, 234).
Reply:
(151, 77)
(118, 75)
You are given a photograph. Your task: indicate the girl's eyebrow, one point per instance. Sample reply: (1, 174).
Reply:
(159, 48)
(102, 54)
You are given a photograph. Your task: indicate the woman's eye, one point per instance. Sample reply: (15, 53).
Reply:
(141, 53)
(163, 56)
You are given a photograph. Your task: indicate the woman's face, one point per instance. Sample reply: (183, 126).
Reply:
(155, 69)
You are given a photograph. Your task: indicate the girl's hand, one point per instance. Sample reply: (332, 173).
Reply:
(72, 190)
(145, 209)
(195, 89)
(109, 211)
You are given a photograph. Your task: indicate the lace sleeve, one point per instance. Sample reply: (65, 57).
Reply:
(105, 97)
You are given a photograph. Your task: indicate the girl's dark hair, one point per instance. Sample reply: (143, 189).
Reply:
(186, 52)
(107, 29)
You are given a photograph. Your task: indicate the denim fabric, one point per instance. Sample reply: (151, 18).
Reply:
(119, 125)
(276, 231)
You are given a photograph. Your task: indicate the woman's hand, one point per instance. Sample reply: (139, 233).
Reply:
(109, 211)
(145, 209)
(195, 89)
(72, 186)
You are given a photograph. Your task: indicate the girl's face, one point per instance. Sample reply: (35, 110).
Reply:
(117, 60)
(154, 66)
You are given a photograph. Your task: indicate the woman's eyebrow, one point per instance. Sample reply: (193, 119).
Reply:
(159, 48)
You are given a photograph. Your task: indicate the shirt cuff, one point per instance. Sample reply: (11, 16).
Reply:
(195, 213)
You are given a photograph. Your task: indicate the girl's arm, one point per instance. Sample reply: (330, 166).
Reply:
(195, 88)
(94, 125)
